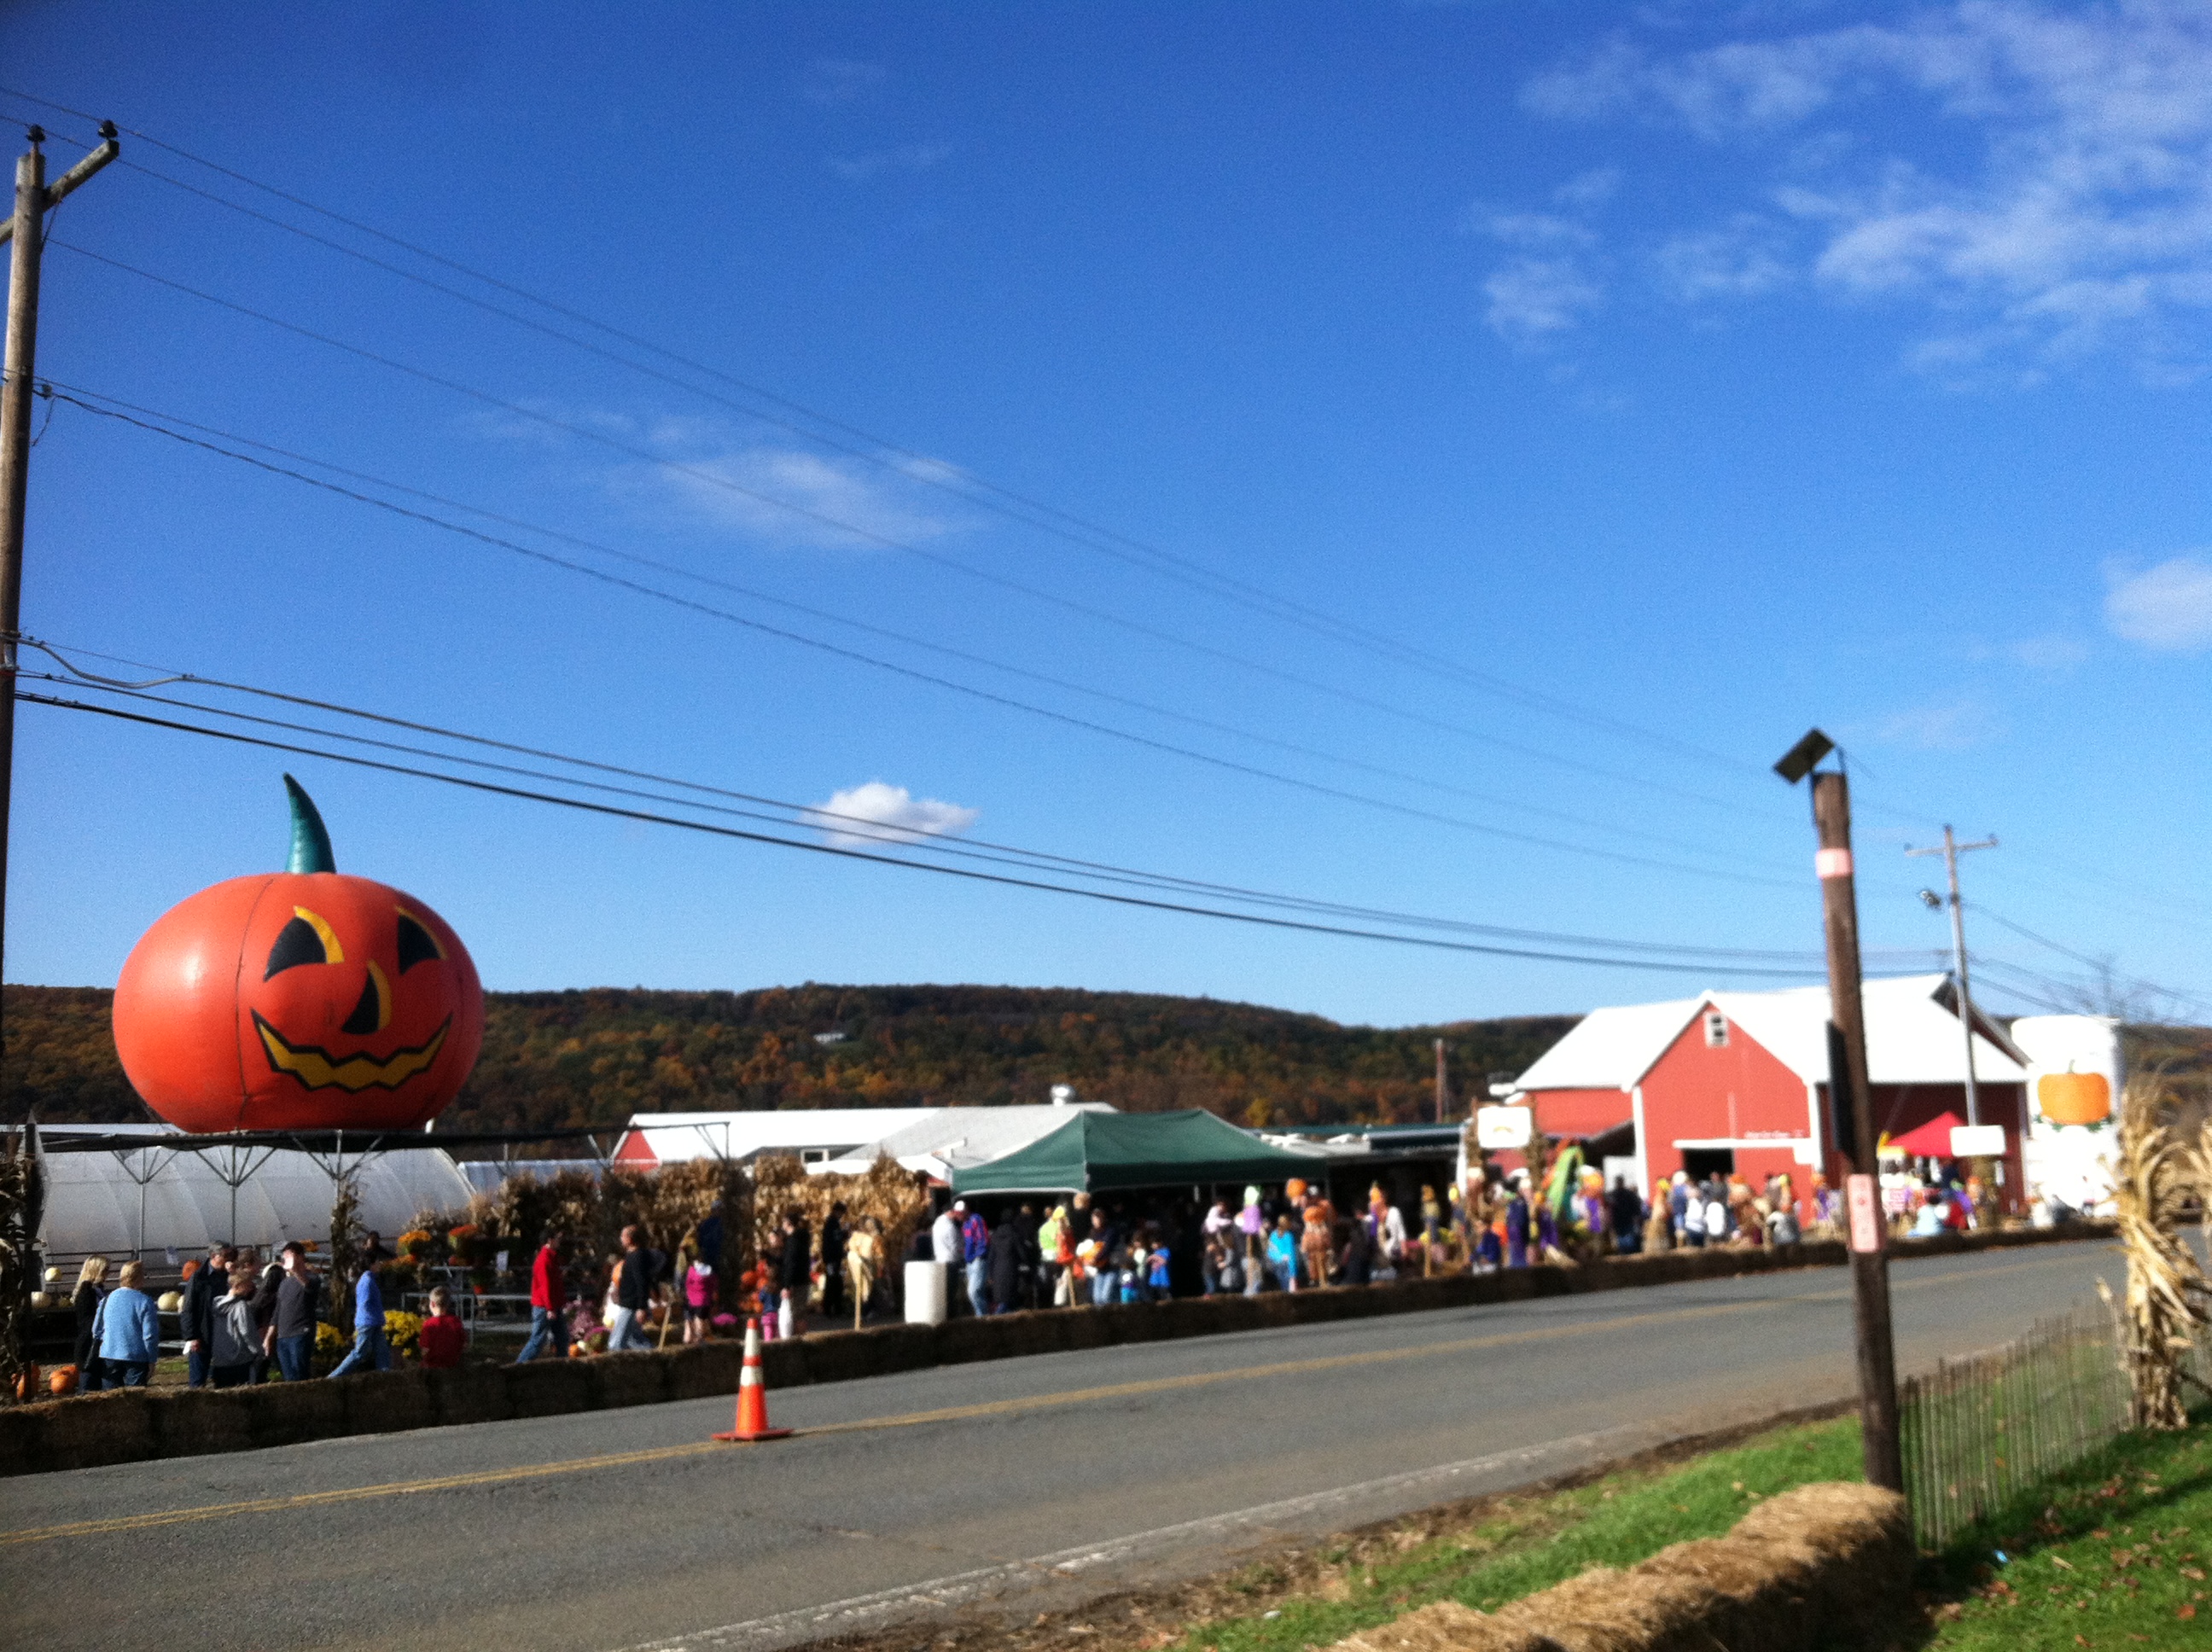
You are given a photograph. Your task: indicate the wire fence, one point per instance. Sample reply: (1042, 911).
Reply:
(1978, 1432)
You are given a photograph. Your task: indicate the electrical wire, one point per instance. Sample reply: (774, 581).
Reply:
(907, 462)
(1719, 959)
(655, 592)
(648, 817)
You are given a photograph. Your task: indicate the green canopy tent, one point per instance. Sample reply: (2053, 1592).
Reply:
(1097, 1152)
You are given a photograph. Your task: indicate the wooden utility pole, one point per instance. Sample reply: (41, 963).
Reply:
(26, 229)
(1850, 1096)
(1443, 1088)
(1951, 851)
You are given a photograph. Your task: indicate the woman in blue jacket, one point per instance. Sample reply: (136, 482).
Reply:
(128, 1331)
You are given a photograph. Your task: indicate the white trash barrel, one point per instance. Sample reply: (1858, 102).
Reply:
(925, 1293)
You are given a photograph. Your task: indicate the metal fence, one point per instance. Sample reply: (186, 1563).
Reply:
(1978, 1432)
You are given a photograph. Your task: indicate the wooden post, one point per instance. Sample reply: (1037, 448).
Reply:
(26, 230)
(1877, 1362)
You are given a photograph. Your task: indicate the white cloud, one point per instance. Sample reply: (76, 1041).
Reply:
(1531, 299)
(833, 80)
(792, 496)
(2167, 608)
(1740, 261)
(907, 157)
(2075, 215)
(896, 814)
(1939, 728)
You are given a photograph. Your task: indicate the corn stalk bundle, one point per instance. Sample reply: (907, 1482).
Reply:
(2169, 1301)
(22, 1203)
(347, 1236)
(897, 1199)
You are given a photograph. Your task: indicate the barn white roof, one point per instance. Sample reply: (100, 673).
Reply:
(741, 1135)
(1912, 1037)
(92, 1199)
(958, 1137)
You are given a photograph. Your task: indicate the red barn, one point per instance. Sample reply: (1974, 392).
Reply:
(1738, 1082)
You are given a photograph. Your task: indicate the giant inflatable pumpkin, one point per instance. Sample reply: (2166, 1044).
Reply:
(298, 999)
(2071, 1097)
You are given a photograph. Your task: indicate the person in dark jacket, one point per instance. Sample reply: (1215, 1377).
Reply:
(209, 1285)
(833, 1261)
(291, 1332)
(91, 1287)
(794, 1271)
(1003, 1264)
(1357, 1261)
(633, 1293)
(1626, 1213)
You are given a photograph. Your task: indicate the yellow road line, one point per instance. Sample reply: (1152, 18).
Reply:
(957, 1413)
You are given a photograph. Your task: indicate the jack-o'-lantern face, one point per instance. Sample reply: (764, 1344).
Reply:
(305, 998)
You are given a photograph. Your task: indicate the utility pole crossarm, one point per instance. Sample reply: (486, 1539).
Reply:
(71, 181)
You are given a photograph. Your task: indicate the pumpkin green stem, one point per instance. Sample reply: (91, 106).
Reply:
(310, 842)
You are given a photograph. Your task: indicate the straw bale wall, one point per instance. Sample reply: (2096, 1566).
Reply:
(1823, 1567)
(134, 1424)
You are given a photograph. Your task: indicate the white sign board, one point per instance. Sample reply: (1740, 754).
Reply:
(1500, 1127)
(1977, 1141)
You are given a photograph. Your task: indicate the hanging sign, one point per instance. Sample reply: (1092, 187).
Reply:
(1977, 1141)
(1865, 1214)
(1498, 1128)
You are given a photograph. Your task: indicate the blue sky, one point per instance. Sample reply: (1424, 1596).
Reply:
(1670, 378)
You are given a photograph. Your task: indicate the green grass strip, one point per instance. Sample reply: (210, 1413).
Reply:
(1531, 1543)
(2111, 1553)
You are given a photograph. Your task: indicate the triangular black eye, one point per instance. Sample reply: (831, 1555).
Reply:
(417, 944)
(296, 942)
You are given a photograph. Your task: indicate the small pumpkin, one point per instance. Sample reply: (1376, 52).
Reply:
(64, 1380)
(40, 1299)
(2071, 1097)
(300, 999)
(170, 1301)
(26, 1384)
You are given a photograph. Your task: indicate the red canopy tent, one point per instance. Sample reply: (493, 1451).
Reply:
(1930, 1140)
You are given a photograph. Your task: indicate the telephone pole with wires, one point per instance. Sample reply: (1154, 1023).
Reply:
(1444, 1085)
(1850, 1106)
(1951, 851)
(27, 231)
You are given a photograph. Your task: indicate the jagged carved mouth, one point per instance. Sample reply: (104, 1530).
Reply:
(318, 1069)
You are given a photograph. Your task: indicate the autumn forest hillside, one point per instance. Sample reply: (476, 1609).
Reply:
(597, 1055)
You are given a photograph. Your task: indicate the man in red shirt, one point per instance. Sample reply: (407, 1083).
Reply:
(548, 1302)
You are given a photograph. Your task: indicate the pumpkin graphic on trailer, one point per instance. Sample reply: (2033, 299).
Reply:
(2071, 1097)
(300, 999)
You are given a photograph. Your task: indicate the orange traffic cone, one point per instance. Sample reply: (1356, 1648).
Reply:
(753, 1395)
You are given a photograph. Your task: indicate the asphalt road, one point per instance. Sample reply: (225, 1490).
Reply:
(1033, 1482)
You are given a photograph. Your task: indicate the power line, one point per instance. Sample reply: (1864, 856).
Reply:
(640, 587)
(813, 815)
(620, 812)
(977, 489)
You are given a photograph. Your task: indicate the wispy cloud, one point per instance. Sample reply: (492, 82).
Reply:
(2075, 216)
(1549, 278)
(909, 157)
(896, 815)
(1939, 728)
(833, 80)
(2167, 608)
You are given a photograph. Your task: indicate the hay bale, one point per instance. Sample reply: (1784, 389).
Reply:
(1826, 1566)
(1447, 1626)
(196, 1421)
(630, 1379)
(286, 1413)
(548, 1388)
(88, 1431)
(385, 1402)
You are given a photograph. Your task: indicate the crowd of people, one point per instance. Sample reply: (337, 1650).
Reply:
(241, 1319)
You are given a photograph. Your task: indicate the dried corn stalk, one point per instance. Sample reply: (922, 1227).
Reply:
(2169, 1301)
(22, 1202)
